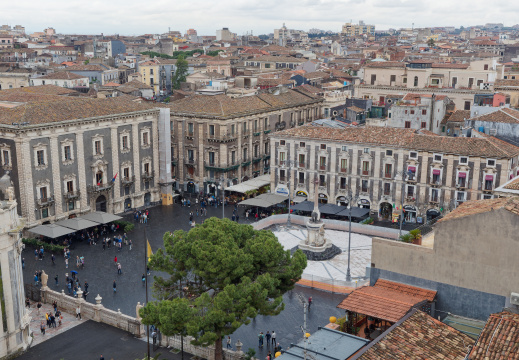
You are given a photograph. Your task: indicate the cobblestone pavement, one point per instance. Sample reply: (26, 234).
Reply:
(100, 272)
(68, 322)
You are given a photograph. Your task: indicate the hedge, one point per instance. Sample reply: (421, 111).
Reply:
(46, 246)
(126, 225)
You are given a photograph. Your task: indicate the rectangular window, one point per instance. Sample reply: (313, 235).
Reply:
(67, 153)
(211, 130)
(5, 158)
(366, 150)
(301, 160)
(413, 155)
(389, 152)
(71, 205)
(412, 112)
(423, 125)
(126, 173)
(211, 158)
(233, 157)
(464, 160)
(462, 176)
(282, 158)
(255, 125)
(365, 168)
(245, 154)
(301, 178)
(256, 151)
(407, 125)
(70, 186)
(322, 180)
(244, 127)
(344, 165)
(282, 142)
(491, 163)
(364, 186)
(424, 112)
(125, 142)
(387, 189)
(436, 177)
(323, 146)
(43, 193)
(344, 148)
(489, 183)
(266, 123)
(388, 171)
(191, 155)
(322, 163)
(40, 157)
(342, 183)
(282, 175)
(437, 158)
(302, 145)
(145, 139)
(147, 168)
(98, 150)
(190, 129)
(435, 195)
(410, 192)
(233, 129)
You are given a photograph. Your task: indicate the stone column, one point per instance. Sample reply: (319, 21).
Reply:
(423, 182)
(82, 180)
(26, 180)
(448, 180)
(136, 145)
(56, 176)
(475, 175)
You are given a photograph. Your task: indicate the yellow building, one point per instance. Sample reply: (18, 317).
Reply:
(149, 71)
(350, 29)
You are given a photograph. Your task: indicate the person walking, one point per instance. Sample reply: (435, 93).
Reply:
(78, 312)
(267, 337)
(115, 287)
(86, 287)
(143, 279)
(229, 346)
(35, 254)
(56, 278)
(66, 263)
(119, 269)
(42, 327)
(309, 302)
(23, 263)
(104, 244)
(35, 279)
(130, 242)
(273, 337)
(38, 307)
(115, 260)
(53, 258)
(260, 339)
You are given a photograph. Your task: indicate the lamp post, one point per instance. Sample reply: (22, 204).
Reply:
(351, 199)
(403, 174)
(222, 188)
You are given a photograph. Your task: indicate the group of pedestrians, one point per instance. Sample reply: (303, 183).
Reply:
(269, 337)
(50, 316)
(141, 216)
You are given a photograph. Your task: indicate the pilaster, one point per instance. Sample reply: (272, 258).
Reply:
(136, 145)
(26, 182)
(115, 166)
(56, 176)
(82, 181)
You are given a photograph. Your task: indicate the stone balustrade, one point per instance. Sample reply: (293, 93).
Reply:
(199, 351)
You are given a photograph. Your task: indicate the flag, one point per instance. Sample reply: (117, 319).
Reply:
(99, 182)
(149, 250)
(115, 177)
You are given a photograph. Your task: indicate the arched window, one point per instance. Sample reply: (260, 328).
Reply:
(416, 81)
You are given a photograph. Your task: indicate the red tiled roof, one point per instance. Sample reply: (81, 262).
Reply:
(420, 337)
(513, 185)
(504, 83)
(385, 64)
(474, 207)
(499, 338)
(504, 115)
(386, 300)
(459, 116)
(411, 96)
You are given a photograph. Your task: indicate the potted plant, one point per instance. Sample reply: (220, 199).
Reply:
(405, 238)
(416, 236)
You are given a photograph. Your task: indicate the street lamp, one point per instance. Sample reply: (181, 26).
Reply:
(351, 199)
(222, 188)
(402, 174)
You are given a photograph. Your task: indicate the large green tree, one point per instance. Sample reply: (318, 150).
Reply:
(180, 72)
(226, 274)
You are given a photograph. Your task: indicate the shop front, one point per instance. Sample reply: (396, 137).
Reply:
(342, 201)
(364, 203)
(410, 214)
(323, 198)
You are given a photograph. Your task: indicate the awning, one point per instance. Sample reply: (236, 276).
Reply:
(77, 223)
(249, 185)
(304, 206)
(264, 200)
(356, 212)
(102, 217)
(436, 172)
(331, 209)
(462, 175)
(411, 168)
(489, 177)
(51, 231)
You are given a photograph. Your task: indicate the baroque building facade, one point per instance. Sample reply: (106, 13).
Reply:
(387, 167)
(215, 137)
(69, 156)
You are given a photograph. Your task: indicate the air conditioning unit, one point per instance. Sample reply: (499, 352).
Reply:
(514, 298)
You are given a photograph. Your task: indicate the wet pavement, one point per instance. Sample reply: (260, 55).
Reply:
(100, 271)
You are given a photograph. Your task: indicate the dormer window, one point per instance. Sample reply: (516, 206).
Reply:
(438, 157)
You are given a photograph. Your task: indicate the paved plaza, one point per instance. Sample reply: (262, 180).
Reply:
(100, 272)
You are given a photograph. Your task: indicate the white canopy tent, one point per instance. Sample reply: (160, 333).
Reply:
(252, 184)
(264, 200)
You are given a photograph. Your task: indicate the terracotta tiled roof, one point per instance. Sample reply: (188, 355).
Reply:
(459, 116)
(386, 300)
(420, 337)
(62, 108)
(504, 83)
(513, 185)
(474, 207)
(504, 115)
(499, 338)
(62, 75)
(487, 146)
(88, 67)
(411, 96)
(224, 106)
(356, 109)
(311, 89)
(450, 66)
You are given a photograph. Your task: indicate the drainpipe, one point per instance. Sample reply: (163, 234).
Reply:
(431, 117)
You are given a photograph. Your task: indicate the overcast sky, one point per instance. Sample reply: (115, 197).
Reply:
(139, 17)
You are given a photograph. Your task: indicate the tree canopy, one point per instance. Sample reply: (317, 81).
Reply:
(180, 72)
(226, 274)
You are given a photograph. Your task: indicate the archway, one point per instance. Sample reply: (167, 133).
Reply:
(191, 187)
(245, 178)
(127, 204)
(212, 189)
(432, 214)
(101, 203)
(147, 199)
(365, 204)
(409, 214)
(342, 201)
(386, 209)
(323, 199)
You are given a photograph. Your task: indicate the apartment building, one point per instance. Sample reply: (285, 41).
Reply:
(440, 172)
(71, 155)
(274, 62)
(460, 82)
(218, 136)
(350, 29)
(158, 73)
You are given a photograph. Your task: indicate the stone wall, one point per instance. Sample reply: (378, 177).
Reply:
(339, 225)
(199, 351)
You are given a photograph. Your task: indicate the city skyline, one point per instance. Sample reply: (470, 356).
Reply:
(206, 17)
